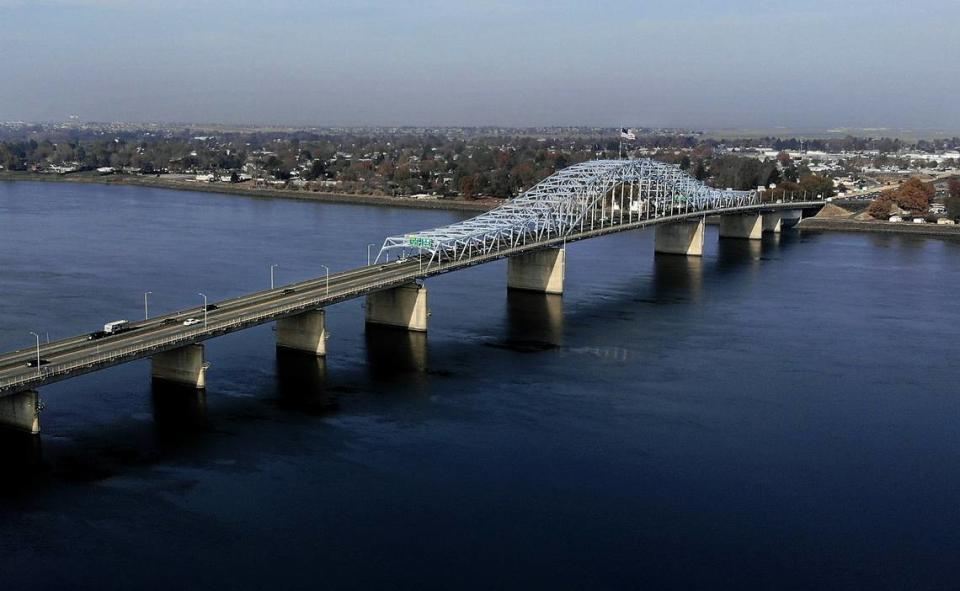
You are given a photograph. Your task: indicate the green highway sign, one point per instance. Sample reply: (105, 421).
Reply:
(419, 242)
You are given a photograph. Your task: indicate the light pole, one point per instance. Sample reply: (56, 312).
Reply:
(204, 308)
(327, 276)
(38, 350)
(272, 267)
(146, 310)
(369, 246)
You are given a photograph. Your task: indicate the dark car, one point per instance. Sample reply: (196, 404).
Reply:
(288, 290)
(171, 321)
(97, 334)
(212, 307)
(33, 362)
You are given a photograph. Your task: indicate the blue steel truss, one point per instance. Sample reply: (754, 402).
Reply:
(574, 200)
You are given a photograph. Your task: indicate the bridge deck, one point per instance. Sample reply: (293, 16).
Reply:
(78, 355)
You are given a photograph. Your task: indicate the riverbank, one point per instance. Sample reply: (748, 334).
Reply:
(842, 225)
(247, 190)
(839, 219)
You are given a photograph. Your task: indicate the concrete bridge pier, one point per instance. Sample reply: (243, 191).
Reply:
(184, 366)
(21, 411)
(684, 238)
(541, 271)
(304, 332)
(400, 307)
(742, 225)
(790, 218)
(772, 222)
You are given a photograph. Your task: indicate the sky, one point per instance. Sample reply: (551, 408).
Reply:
(808, 64)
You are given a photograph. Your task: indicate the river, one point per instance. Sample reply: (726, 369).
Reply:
(780, 414)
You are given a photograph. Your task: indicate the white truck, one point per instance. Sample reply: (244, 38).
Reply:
(116, 327)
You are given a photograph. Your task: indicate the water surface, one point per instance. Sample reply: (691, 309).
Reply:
(775, 415)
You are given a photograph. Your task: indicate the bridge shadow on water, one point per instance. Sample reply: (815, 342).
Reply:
(534, 322)
(396, 362)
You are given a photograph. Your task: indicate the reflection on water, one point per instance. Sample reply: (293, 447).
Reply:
(19, 453)
(736, 253)
(678, 277)
(392, 351)
(179, 412)
(301, 382)
(534, 320)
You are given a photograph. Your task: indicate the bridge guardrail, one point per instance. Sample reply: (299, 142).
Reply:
(48, 371)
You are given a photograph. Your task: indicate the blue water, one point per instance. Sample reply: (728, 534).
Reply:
(779, 415)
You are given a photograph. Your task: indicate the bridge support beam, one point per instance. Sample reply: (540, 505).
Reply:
(304, 332)
(742, 225)
(21, 411)
(680, 238)
(541, 271)
(400, 307)
(183, 366)
(772, 221)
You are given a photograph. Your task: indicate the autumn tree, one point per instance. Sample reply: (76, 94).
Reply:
(914, 195)
(880, 207)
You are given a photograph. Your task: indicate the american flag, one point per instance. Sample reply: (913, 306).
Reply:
(627, 134)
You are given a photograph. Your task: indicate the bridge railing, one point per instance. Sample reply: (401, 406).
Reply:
(141, 349)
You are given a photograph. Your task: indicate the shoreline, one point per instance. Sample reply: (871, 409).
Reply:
(246, 191)
(879, 227)
(812, 223)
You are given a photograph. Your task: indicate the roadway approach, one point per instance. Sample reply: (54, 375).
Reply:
(583, 201)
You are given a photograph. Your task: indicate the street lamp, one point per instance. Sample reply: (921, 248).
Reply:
(204, 308)
(327, 278)
(369, 246)
(146, 310)
(272, 267)
(38, 351)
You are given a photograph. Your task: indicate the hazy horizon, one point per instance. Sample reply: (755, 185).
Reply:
(704, 65)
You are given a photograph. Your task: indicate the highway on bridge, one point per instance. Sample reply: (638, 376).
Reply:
(582, 201)
(81, 354)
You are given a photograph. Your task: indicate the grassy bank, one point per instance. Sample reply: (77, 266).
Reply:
(248, 190)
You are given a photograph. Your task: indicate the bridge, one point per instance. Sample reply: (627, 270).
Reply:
(583, 201)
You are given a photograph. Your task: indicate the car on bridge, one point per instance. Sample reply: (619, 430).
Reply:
(191, 321)
(37, 362)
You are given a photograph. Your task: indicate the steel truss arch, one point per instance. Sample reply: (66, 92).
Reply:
(581, 197)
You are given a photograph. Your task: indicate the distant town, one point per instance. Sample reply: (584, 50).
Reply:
(471, 163)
